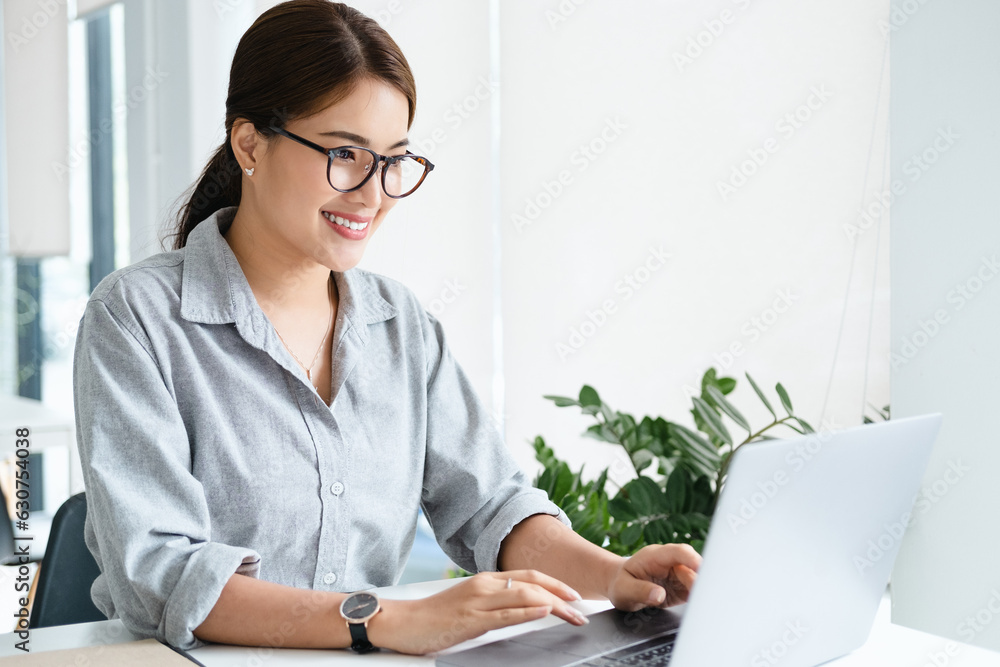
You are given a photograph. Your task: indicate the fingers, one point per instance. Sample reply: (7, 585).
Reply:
(658, 575)
(634, 594)
(483, 602)
(530, 588)
(502, 618)
(686, 576)
(673, 566)
(523, 595)
(678, 585)
(658, 559)
(551, 584)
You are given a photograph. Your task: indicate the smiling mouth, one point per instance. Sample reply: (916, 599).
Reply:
(344, 222)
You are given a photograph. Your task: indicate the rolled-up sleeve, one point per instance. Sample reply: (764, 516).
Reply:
(148, 523)
(474, 493)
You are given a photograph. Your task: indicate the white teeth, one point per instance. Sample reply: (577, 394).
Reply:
(343, 222)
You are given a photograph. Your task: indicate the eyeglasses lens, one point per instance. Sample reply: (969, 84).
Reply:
(350, 166)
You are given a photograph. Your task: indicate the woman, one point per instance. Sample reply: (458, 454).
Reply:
(259, 421)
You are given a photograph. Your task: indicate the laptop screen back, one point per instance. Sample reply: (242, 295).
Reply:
(802, 543)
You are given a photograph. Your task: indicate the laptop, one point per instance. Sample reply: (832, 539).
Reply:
(796, 561)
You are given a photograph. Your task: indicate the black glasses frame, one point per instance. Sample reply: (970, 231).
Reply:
(389, 160)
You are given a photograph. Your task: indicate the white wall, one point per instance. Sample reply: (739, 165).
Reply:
(674, 118)
(946, 309)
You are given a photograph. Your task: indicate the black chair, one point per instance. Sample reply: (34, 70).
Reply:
(8, 547)
(62, 593)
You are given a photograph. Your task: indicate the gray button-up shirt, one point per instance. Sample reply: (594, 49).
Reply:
(206, 450)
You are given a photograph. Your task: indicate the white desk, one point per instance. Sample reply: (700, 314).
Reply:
(888, 645)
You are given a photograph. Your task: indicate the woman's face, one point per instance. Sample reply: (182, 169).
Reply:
(290, 187)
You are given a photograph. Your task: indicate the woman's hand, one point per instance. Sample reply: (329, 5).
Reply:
(658, 575)
(468, 609)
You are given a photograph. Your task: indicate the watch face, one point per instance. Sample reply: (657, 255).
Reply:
(359, 606)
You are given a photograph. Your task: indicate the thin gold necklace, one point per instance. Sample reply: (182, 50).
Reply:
(308, 369)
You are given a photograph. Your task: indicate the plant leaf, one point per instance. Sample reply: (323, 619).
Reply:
(544, 482)
(652, 444)
(646, 496)
(723, 404)
(783, 395)
(702, 496)
(697, 450)
(601, 432)
(628, 430)
(692, 444)
(543, 453)
(658, 531)
(762, 397)
(712, 421)
(708, 378)
(602, 481)
(563, 483)
(621, 509)
(631, 534)
(562, 401)
(667, 465)
(805, 425)
(656, 493)
(589, 397)
(642, 503)
(711, 379)
(677, 489)
(642, 458)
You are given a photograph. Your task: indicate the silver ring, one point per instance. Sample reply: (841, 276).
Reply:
(510, 582)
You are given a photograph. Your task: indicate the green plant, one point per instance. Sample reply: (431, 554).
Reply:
(883, 414)
(679, 471)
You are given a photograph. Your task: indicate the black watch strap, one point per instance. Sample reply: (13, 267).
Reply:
(359, 638)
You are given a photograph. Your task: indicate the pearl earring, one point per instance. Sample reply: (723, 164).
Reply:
(249, 171)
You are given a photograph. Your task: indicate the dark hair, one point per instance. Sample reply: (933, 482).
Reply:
(295, 60)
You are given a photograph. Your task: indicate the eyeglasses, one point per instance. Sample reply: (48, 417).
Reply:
(348, 168)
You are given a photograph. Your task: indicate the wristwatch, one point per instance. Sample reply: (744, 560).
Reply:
(357, 609)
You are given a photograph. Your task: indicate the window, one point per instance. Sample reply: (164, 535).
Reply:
(43, 298)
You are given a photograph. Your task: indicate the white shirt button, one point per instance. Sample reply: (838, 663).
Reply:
(329, 578)
(337, 488)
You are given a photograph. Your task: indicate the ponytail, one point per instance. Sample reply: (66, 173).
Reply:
(219, 186)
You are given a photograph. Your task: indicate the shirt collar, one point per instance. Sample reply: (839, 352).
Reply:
(214, 289)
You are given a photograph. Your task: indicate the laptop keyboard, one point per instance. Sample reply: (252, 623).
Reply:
(650, 653)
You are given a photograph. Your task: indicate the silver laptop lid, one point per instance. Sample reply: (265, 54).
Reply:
(801, 545)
